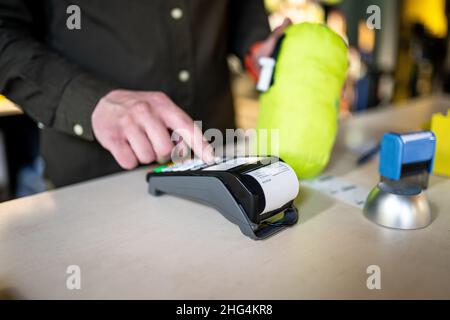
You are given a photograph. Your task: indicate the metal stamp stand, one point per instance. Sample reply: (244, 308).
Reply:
(399, 200)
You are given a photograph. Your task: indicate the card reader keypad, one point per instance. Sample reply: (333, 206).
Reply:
(189, 165)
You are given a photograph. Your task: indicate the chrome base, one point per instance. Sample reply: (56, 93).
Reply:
(398, 206)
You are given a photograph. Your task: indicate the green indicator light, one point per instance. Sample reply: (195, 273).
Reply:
(159, 169)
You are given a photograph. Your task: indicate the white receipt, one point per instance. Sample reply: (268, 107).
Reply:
(279, 183)
(339, 189)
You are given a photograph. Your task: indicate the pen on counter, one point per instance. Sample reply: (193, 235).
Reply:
(367, 156)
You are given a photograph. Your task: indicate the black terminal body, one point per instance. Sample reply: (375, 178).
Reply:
(228, 191)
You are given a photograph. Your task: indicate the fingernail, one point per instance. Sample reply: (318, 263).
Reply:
(162, 160)
(208, 155)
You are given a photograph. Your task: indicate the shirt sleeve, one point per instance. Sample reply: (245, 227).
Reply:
(47, 87)
(248, 24)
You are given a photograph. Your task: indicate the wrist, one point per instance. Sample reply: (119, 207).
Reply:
(77, 104)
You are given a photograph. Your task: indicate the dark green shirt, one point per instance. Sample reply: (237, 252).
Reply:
(58, 75)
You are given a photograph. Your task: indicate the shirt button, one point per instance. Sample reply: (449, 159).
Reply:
(78, 129)
(176, 13)
(184, 76)
(40, 125)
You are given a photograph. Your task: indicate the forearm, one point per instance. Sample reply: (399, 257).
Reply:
(48, 88)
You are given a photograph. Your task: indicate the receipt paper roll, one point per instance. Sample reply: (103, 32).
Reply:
(279, 184)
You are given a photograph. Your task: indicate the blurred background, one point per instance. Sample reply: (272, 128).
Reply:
(406, 55)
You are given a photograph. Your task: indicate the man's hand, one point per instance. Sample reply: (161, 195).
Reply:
(134, 126)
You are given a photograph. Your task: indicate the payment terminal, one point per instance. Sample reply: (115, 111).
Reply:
(255, 193)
